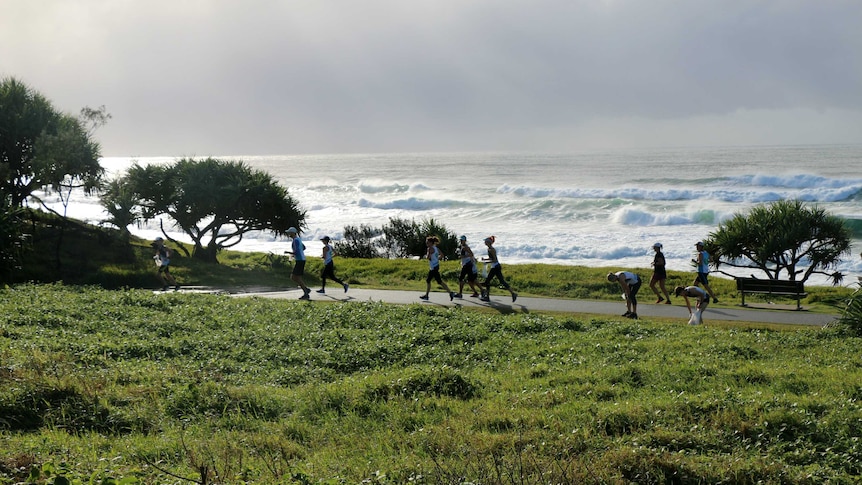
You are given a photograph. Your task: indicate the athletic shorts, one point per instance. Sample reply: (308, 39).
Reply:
(468, 273)
(702, 279)
(434, 274)
(298, 268)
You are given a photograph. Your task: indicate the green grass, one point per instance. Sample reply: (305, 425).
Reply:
(144, 387)
(104, 383)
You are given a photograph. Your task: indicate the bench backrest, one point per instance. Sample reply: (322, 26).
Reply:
(768, 286)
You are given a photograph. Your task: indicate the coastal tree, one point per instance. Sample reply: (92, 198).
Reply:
(215, 202)
(782, 239)
(121, 204)
(44, 149)
(12, 239)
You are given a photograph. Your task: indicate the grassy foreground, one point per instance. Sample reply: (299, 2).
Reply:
(129, 386)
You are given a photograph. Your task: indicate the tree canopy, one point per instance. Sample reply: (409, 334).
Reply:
(41, 148)
(784, 237)
(215, 202)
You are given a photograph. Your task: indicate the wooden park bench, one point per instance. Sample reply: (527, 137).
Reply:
(795, 289)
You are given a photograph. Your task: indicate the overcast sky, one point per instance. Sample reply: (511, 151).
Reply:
(255, 77)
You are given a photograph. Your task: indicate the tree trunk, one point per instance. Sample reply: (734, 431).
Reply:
(207, 254)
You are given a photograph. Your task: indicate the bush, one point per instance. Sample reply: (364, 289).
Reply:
(401, 239)
(852, 315)
(357, 242)
(11, 239)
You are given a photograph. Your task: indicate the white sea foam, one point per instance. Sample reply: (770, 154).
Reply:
(593, 209)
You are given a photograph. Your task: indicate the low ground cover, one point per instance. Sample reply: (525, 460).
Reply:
(138, 387)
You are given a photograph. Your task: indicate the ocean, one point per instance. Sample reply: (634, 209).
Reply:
(598, 208)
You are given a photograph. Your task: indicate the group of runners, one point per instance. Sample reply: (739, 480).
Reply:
(631, 284)
(628, 281)
(469, 270)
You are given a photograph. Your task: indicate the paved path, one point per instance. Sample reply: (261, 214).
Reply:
(503, 303)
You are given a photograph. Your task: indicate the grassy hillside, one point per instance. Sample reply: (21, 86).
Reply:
(143, 387)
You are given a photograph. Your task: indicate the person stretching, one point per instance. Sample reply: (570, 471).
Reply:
(630, 284)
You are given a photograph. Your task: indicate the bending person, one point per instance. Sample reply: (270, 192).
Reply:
(631, 284)
(700, 295)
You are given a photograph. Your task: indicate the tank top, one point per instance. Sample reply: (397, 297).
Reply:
(465, 257)
(704, 265)
(328, 258)
(434, 260)
(631, 278)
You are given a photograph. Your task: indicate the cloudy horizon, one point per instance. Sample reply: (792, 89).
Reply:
(265, 77)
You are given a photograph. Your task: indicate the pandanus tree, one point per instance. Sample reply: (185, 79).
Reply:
(784, 240)
(215, 202)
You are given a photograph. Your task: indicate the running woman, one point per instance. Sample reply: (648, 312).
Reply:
(328, 266)
(496, 272)
(469, 270)
(434, 268)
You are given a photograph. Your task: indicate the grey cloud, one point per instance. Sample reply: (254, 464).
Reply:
(283, 76)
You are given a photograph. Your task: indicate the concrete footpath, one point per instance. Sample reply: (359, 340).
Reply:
(503, 303)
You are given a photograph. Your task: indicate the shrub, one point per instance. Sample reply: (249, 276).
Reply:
(852, 315)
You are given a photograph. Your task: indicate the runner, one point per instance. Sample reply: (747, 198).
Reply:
(496, 272)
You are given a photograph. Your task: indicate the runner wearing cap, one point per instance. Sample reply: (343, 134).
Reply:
(659, 275)
(702, 263)
(298, 263)
(163, 262)
(469, 270)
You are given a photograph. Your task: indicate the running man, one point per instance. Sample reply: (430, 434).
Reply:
(298, 262)
(702, 263)
(163, 258)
